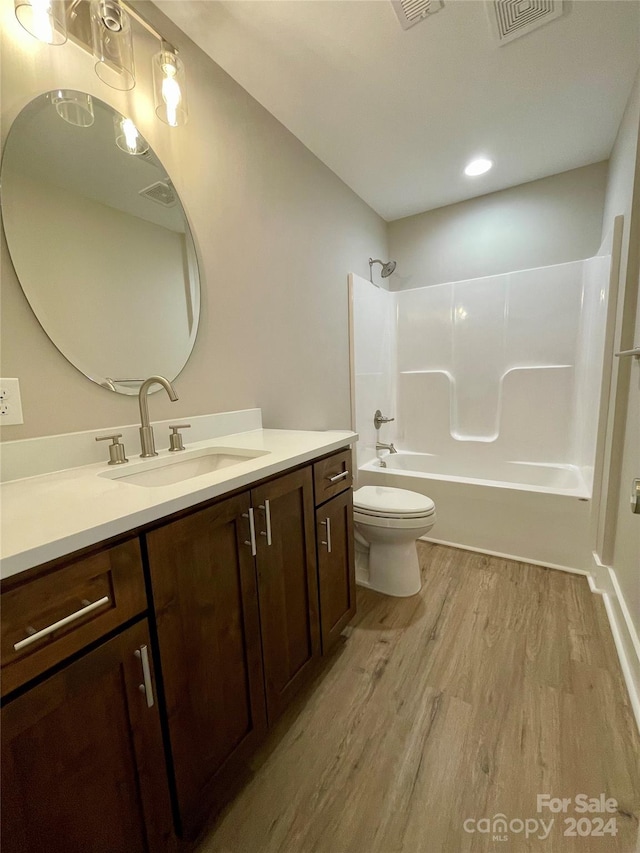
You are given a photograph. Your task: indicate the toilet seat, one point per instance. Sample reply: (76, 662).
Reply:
(423, 522)
(384, 502)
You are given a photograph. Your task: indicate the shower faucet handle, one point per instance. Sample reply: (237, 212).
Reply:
(379, 419)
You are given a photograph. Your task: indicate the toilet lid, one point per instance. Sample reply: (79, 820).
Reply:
(385, 501)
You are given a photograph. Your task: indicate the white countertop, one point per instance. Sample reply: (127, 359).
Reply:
(50, 515)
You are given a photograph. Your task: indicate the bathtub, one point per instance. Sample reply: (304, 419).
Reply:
(536, 513)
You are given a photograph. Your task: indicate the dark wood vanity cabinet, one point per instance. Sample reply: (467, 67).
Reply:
(243, 595)
(333, 479)
(287, 584)
(238, 629)
(65, 607)
(83, 766)
(206, 605)
(336, 566)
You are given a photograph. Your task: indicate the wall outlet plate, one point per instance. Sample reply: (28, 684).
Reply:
(10, 402)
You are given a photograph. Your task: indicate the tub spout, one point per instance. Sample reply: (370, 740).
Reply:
(389, 447)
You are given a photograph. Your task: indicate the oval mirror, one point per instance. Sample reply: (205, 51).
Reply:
(100, 241)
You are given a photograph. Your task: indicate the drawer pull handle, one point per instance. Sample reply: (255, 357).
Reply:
(267, 515)
(327, 524)
(38, 635)
(147, 688)
(252, 532)
(339, 476)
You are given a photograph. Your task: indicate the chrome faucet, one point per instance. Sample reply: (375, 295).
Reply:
(389, 447)
(147, 443)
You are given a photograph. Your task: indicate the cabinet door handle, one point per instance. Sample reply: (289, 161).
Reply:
(146, 687)
(38, 635)
(327, 542)
(339, 476)
(252, 532)
(267, 515)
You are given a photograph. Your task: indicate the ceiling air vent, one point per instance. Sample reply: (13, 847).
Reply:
(160, 192)
(510, 19)
(411, 12)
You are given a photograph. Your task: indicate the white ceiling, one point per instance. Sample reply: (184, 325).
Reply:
(397, 114)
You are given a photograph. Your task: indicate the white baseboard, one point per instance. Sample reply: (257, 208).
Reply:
(599, 577)
(627, 643)
(622, 643)
(603, 581)
(506, 556)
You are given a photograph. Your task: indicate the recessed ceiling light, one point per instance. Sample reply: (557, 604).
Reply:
(478, 167)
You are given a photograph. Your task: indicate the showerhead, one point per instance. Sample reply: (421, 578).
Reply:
(386, 271)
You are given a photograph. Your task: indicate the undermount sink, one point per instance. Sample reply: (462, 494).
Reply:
(190, 463)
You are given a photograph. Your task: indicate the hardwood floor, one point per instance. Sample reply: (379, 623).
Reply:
(497, 683)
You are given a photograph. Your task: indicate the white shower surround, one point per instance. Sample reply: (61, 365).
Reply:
(495, 387)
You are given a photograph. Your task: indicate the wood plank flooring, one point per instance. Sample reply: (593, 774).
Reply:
(497, 683)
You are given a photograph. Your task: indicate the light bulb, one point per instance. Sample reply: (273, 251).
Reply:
(171, 93)
(41, 20)
(130, 135)
(169, 85)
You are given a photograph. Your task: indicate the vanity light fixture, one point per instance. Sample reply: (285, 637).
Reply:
(111, 43)
(478, 167)
(75, 108)
(43, 19)
(128, 137)
(169, 87)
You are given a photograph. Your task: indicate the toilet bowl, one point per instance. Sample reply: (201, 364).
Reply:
(388, 522)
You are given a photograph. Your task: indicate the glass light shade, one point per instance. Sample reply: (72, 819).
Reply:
(74, 107)
(128, 137)
(112, 44)
(169, 88)
(44, 19)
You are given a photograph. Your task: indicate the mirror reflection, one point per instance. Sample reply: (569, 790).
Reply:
(99, 241)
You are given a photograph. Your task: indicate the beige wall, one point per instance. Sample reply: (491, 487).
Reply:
(277, 234)
(550, 221)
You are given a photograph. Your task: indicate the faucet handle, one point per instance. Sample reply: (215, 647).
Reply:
(379, 419)
(116, 450)
(175, 439)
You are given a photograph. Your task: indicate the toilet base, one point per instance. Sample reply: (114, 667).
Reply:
(377, 568)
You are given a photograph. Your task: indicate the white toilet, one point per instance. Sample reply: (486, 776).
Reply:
(387, 524)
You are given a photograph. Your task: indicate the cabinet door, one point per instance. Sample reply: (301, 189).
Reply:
(206, 605)
(287, 584)
(83, 767)
(336, 566)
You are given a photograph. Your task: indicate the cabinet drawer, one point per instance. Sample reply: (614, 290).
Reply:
(48, 618)
(332, 475)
